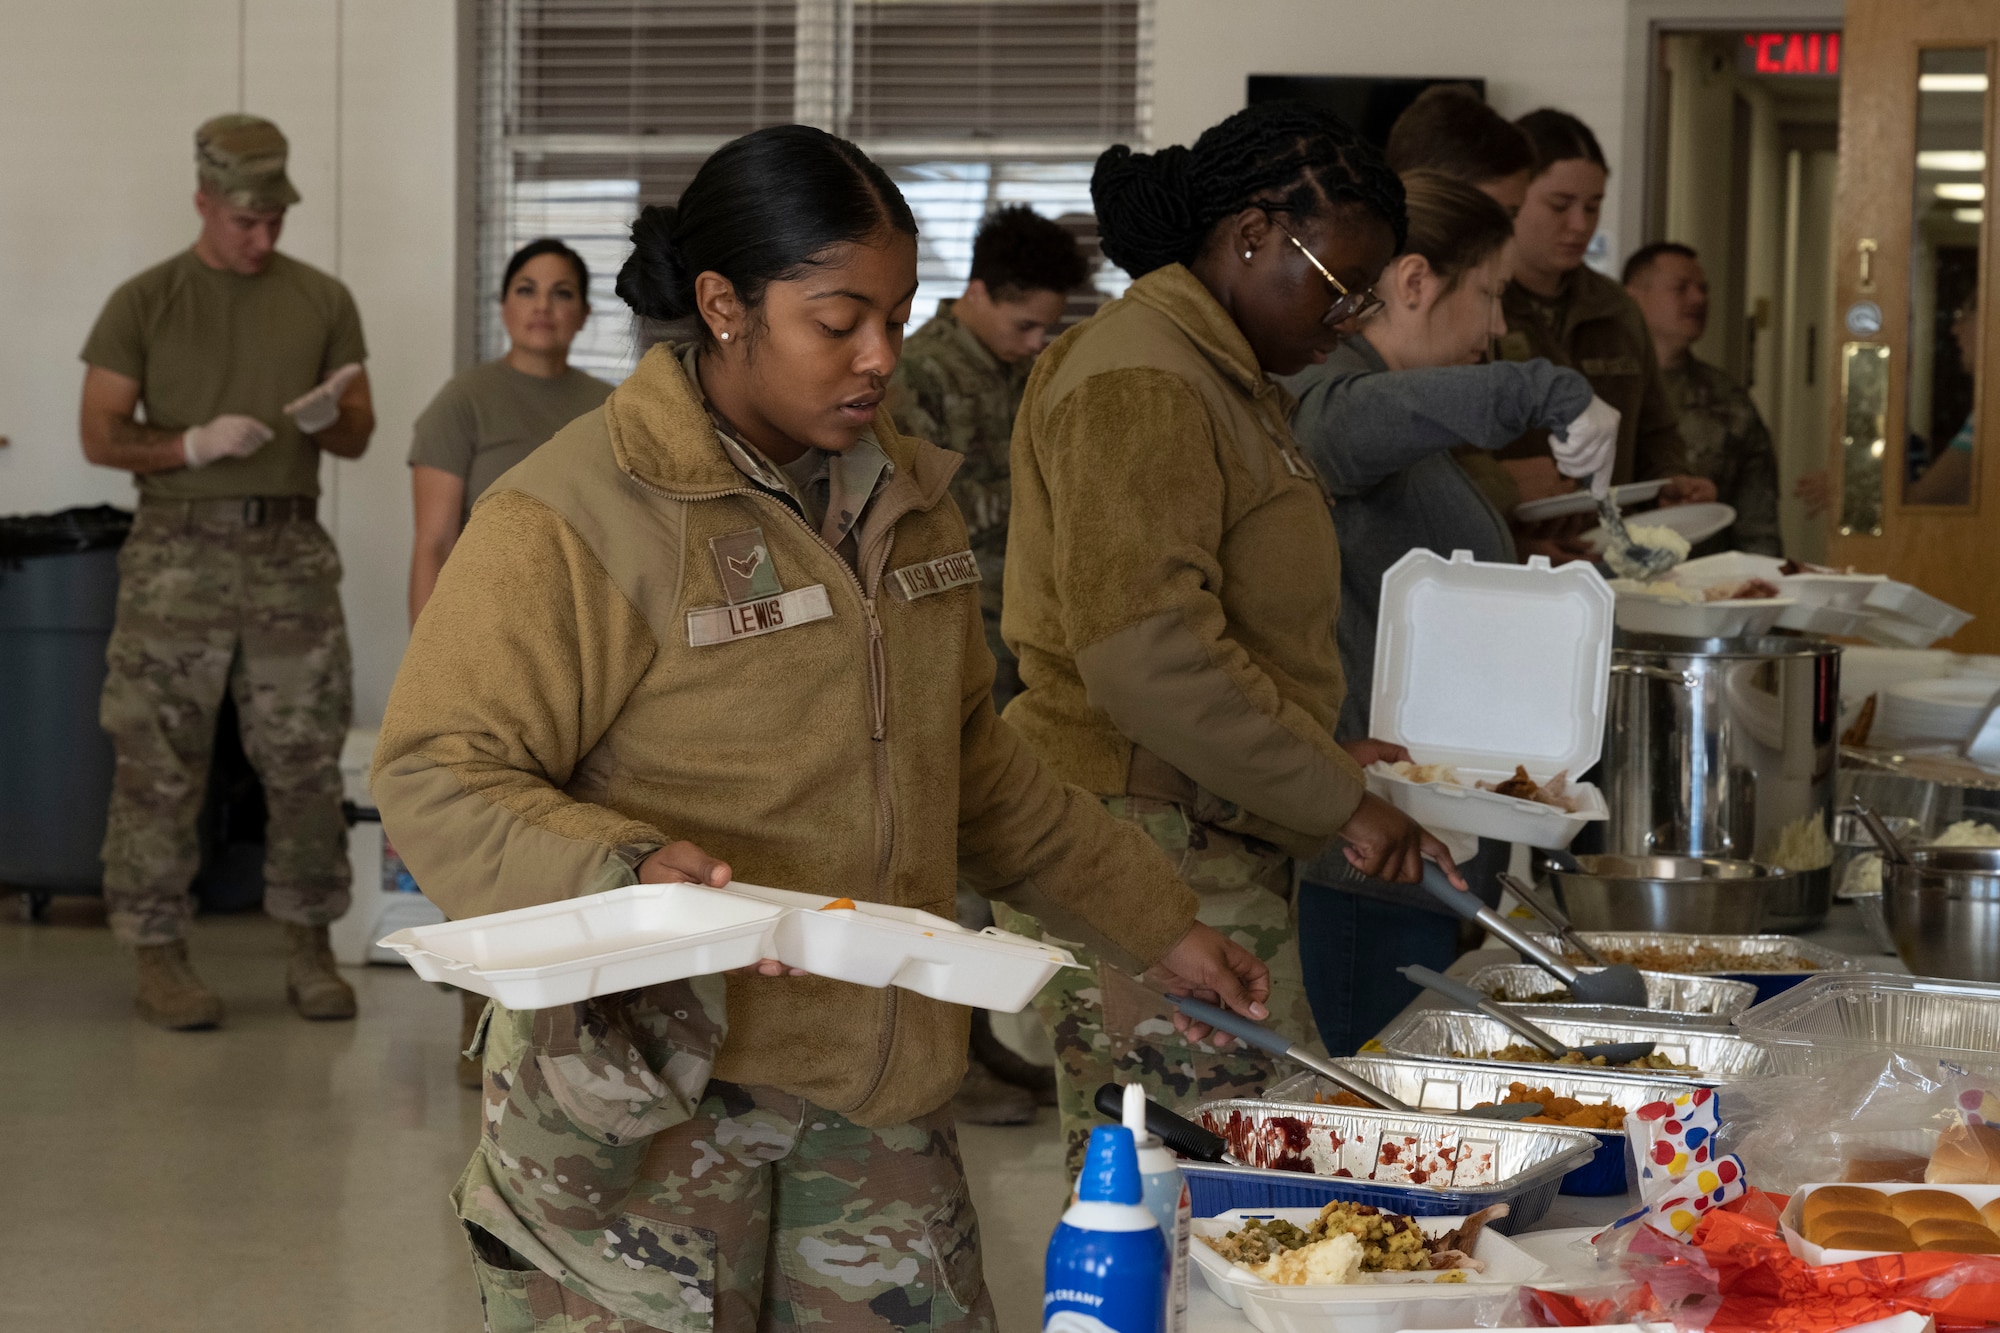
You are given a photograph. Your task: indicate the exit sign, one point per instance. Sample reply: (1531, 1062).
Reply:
(1806, 54)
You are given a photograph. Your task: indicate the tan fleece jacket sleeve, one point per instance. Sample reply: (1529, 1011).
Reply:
(1138, 491)
(517, 667)
(1051, 849)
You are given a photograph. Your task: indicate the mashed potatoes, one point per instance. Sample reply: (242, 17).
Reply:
(1620, 558)
(1334, 1261)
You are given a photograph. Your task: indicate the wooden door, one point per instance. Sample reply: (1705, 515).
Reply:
(1916, 338)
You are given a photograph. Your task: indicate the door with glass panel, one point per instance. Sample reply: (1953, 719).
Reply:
(1917, 404)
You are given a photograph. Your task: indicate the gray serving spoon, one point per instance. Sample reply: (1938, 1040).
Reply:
(1614, 1052)
(1285, 1049)
(1626, 557)
(1554, 917)
(1892, 847)
(1620, 985)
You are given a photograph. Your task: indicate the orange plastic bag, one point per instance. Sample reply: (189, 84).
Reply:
(1737, 1276)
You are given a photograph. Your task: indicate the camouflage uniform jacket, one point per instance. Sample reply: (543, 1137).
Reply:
(1594, 327)
(949, 389)
(1727, 443)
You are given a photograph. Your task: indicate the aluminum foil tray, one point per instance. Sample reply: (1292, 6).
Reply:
(1416, 1165)
(1720, 1056)
(1752, 953)
(1829, 1019)
(1666, 992)
(1445, 1088)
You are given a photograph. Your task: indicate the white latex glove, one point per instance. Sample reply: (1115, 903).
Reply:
(1588, 446)
(318, 408)
(228, 436)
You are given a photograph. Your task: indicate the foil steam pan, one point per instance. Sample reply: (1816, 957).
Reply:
(1716, 955)
(1666, 992)
(1718, 1055)
(1443, 1089)
(1425, 1153)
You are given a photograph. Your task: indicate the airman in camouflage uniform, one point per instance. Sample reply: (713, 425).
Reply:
(1107, 1028)
(950, 390)
(1727, 443)
(219, 378)
(617, 1189)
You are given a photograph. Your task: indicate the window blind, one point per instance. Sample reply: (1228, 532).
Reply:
(588, 109)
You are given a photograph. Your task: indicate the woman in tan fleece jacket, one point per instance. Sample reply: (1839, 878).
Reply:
(1173, 581)
(728, 625)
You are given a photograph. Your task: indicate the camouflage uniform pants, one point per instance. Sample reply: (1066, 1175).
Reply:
(1108, 1029)
(207, 604)
(613, 1193)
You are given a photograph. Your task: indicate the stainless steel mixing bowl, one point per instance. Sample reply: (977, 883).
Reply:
(1690, 894)
(1944, 912)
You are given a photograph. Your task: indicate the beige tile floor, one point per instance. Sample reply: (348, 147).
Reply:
(277, 1175)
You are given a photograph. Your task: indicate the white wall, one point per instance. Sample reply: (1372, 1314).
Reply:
(98, 104)
(1569, 54)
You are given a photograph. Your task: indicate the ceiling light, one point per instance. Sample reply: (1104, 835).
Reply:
(1964, 192)
(1951, 83)
(1975, 216)
(1951, 159)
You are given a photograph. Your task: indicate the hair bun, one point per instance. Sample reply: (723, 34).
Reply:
(1146, 217)
(655, 281)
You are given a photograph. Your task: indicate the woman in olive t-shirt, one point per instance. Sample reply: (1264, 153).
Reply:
(494, 415)
(488, 419)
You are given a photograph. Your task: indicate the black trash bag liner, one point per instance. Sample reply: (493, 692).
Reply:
(85, 528)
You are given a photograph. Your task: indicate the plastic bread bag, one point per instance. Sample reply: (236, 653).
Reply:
(1874, 1118)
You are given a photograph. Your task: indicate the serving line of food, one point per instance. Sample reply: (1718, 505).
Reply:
(1698, 952)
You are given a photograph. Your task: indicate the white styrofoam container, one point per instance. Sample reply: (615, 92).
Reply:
(1486, 666)
(647, 934)
(1384, 1303)
(1917, 607)
(1792, 1218)
(1643, 614)
(1813, 618)
(1727, 567)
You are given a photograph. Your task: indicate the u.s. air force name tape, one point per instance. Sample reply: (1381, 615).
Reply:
(746, 620)
(934, 576)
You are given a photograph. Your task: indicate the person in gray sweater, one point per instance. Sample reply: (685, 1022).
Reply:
(1386, 420)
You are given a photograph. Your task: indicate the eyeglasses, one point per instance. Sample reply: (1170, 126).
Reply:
(1346, 305)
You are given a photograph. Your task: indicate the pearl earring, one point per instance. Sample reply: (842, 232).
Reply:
(1247, 254)
(723, 336)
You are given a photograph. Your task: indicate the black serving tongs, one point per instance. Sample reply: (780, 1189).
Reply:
(1614, 1052)
(1618, 985)
(1331, 1070)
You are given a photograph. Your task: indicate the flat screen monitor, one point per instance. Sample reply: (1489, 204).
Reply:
(1370, 105)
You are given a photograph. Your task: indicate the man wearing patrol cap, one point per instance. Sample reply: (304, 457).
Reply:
(218, 378)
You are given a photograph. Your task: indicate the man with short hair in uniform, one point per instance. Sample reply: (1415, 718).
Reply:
(217, 379)
(958, 385)
(1725, 436)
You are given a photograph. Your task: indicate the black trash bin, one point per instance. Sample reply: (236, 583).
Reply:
(58, 595)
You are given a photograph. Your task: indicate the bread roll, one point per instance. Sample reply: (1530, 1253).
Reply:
(1850, 1229)
(1842, 1198)
(1991, 1212)
(1955, 1238)
(1888, 1165)
(1913, 1206)
(1965, 1155)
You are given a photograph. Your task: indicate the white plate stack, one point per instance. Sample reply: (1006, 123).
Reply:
(1932, 712)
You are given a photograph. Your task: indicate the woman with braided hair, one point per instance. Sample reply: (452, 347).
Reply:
(1173, 580)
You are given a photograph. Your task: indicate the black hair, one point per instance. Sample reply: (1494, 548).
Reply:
(1018, 250)
(1557, 136)
(1455, 226)
(1643, 258)
(1449, 129)
(761, 209)
(547, 245)
(1155, 209)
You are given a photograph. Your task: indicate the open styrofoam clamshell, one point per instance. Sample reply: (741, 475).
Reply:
(1643, 612)
(648, 934)
(1485, 666)
(1380, 1301)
